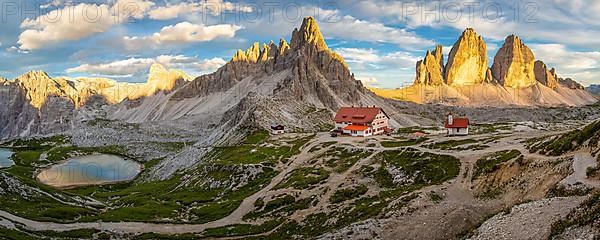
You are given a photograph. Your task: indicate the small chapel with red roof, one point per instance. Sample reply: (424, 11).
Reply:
(456, 126)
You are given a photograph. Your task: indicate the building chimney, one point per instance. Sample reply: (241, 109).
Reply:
(450, 119)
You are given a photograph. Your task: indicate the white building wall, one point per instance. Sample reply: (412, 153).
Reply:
(458, 131)
(380, 123)
(277, 132)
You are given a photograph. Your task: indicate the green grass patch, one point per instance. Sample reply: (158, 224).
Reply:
(435, 197)
(255, 154)
(304, 178)
(346, 194)
(423, 167)
(403, 143)
(485, 128)
(340, 159)
(409, 130)
(241, 229)
(568, 142)
(257, 137)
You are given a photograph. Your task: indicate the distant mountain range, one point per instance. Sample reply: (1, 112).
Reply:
(594, 88)
(298, 84)
(288, 83)
(515, 78)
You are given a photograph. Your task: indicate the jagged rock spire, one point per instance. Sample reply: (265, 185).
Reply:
(308, 34)
(544, 75)
(430, 70)
(283, 46)
(467, 61)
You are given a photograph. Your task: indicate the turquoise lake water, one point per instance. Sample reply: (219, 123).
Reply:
(90, 170)
(5, 160)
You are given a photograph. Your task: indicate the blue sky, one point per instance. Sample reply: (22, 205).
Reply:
(381, 40)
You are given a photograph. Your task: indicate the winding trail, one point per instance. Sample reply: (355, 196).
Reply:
(582, 160)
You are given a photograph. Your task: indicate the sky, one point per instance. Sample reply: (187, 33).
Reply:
(380, 40)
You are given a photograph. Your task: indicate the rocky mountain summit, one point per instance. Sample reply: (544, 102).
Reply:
(513, 64)
(35, 103)
(431, 69)
(515, 77)
(467, 61)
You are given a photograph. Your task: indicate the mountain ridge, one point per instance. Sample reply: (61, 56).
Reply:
(515, 78)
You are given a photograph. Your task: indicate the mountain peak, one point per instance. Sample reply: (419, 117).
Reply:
(467, 61)
(309, 34)
(33, 74)
(514, 64)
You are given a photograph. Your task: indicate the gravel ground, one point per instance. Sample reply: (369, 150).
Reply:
(531, 220)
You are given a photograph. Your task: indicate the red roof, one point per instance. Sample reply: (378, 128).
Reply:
(357, 115)
(356, 128)
(457, 123)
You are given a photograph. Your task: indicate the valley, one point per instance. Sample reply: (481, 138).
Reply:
(311, 186)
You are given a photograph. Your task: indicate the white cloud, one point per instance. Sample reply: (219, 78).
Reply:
(378, 69)
(185, 62)
(51, 3)
(581, 66)
(571, 22)
(213, 7)
(183, 32)
(562, 57)
(368, 81)
(348, 27)
(75, 22)
(133, 66)
(122, 67)
(136, 9)
(361, 56)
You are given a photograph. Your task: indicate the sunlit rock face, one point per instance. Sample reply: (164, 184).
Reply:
(430, 70)
(514, 63)
(467, 61)
(544, 76)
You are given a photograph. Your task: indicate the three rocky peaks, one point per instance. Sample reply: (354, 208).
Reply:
(514, 65)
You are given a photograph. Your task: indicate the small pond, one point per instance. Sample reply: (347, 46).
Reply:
(5, 160)
(90, 170)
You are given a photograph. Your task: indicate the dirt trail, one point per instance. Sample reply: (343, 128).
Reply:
(581, 161)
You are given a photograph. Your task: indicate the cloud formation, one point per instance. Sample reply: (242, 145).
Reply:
(184, 32)
(212, 7)
(376, 59)
(75, 22)
(134, 66)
